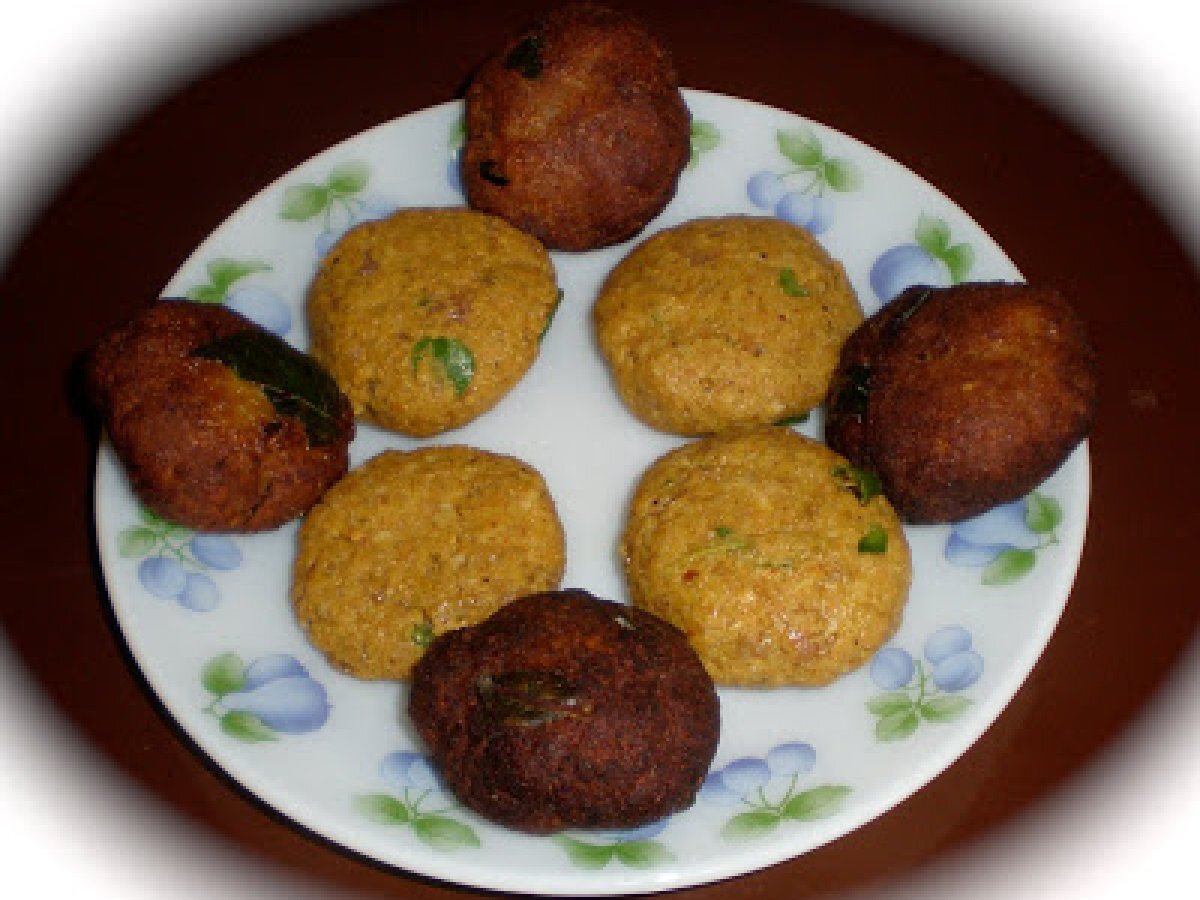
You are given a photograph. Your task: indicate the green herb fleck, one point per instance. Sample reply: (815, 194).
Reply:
(793, 420)
(294, 382)
(874, 541)
(489, 170)
(422, 634)
(550, 316)
(862, 483)
(453, 357)
(790, 284)
(526, 57)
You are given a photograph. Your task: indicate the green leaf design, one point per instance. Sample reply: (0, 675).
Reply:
(816, 803)
(246, 727)
(302, 202)
(444, 833)
(458, 133)
(897, 725)
(643, 854)
(293, 381)
(585, 855)
(801, 146)
(1042, 514)
(382, 808)
(933, 235)
(222, 275)
(750, 825)
(454, 358)
(891, 703)
(944, 709)
(136, 541)
(1011, 565)
(842, 175)
(704, 137)
(790, 284)
(223, 674)
(959, 259)
(348, 178)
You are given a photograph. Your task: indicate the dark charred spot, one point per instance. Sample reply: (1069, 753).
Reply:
(489, 171)
(526, 57)
(855, 391)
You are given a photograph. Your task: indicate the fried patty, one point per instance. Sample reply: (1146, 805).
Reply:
(563, 710)
(576, 129)
(965, 397)
(220, 424)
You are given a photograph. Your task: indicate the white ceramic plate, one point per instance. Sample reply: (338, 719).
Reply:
(208, 619)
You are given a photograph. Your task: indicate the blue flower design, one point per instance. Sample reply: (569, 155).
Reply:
(802, 195)
(923, 690)
(176, 562)
(414, 784)
(743, 784)
(273, 695)
(1005, 540)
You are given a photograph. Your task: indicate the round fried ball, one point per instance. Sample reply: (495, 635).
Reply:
(576, 130)
(413, 544)
(724, 322)
(781, 563)
(429, 317)
(965, 397)
(220, 424)
(562, 710)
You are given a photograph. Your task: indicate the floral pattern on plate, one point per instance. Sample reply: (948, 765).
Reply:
(256, 697)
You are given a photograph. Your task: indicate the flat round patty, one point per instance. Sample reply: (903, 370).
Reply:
(778, 560)
(413, 544)
(963, 398)
(576, 129)
(563, 710)
(429, 317)
(723, 322)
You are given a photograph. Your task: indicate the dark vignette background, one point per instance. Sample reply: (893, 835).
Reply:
(153, 190)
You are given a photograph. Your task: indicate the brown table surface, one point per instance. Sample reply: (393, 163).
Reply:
(121, 224)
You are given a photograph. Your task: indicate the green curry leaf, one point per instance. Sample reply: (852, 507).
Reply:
(453, 358)
(294, 382)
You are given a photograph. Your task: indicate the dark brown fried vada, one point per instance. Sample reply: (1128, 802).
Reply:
(576, 129)
(562, 710)
(965, 397)
(220, 424)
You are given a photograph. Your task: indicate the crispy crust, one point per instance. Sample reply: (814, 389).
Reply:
(202, 447)
(565, 711)
(576, 129)
(965, 397)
